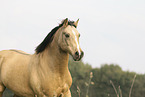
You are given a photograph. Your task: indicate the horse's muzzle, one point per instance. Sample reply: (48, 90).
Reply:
(77, 56)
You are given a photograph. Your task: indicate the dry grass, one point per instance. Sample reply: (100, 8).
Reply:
(87, 85)
(78, 91)
(119, 94)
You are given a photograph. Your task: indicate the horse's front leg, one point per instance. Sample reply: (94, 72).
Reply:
(67, 94)
(40, 96)
(15, 95)
(2, 89)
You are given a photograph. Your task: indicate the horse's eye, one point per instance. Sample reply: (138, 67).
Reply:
(67, 35)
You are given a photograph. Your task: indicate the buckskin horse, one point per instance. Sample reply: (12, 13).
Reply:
(44, 73)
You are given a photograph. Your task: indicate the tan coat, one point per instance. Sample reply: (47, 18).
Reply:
(45, 73)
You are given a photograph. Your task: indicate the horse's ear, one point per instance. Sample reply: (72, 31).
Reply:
(65, 23)
(76, 23)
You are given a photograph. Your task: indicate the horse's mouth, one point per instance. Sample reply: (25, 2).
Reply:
(77, 57)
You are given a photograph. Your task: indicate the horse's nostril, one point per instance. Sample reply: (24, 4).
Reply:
(77, 53)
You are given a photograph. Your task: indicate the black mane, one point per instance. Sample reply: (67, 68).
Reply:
(48, 39)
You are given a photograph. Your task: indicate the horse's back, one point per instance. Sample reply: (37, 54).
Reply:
(10, 53)
(14, 70)
(13, 57)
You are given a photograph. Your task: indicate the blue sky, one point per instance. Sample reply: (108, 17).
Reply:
(112, 31)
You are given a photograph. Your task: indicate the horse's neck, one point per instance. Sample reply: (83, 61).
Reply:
(54, 60)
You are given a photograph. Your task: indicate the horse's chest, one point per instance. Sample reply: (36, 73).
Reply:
(56, 91)
(56, 88)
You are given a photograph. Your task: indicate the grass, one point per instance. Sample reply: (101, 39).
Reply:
(87, 85)
(119, 94)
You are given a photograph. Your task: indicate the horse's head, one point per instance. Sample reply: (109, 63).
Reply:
(68, 39)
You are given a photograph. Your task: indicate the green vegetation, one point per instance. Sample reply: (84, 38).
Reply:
(96, 82)
(100, 85)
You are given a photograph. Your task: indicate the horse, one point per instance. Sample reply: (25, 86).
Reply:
(44, 73)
